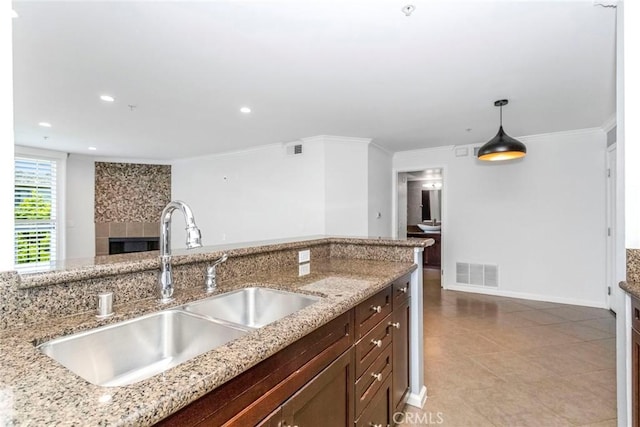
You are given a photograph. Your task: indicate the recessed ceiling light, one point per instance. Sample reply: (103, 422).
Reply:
(92, 148)
(45, 124)
(107, 98)
(245, 110)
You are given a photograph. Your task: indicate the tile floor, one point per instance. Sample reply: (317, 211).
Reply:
(494, 361)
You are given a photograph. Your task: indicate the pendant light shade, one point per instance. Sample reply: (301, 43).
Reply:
(502, 146)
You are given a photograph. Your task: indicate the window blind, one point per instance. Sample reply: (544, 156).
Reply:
(35, 207)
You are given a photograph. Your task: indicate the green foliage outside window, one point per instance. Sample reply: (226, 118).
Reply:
(33, 246)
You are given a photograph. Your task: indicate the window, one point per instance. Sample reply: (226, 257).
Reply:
(36, 212)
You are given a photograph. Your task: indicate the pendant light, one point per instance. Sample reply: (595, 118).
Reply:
(502, 146)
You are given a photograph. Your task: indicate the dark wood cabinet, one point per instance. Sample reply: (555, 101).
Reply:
(325, 400)
(400, 383)
(273, 420)
(400, 326)
(432, 254)
(372, 311)
(379, 412)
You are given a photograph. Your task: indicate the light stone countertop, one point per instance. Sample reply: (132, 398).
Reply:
(632, 288)
(37, 391)
(101, 266)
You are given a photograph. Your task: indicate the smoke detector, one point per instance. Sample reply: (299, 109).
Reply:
(408, 9)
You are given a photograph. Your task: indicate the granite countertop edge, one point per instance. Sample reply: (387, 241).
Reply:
(631, 287)
(131, 263)
(48, 393)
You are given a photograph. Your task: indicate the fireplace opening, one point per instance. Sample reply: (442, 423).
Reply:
(125, 245)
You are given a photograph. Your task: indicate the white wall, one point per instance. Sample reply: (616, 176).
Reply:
(402, 189)
(336, 187)
(252, 195)
(346, 186)
(541, 220)
(6, 136)
(80, 237)
(380, 191)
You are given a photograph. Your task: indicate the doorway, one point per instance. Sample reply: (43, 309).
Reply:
(420, 210)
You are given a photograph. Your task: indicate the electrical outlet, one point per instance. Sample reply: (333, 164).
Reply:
(304, 256)
(304, 269)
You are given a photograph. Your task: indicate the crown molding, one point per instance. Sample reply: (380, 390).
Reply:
(610, 123)
(336, 138)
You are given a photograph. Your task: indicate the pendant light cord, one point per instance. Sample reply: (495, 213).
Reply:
(501, 116)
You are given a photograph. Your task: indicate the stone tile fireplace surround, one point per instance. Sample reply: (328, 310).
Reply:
(129, 199)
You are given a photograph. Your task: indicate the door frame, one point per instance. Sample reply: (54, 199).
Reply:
(615, 298)
(443, 208)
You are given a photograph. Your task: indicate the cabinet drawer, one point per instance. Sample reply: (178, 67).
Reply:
(372, 345)
(378, 412)
(635, 314)
(401, 289)
(370, 312)
(372, 379)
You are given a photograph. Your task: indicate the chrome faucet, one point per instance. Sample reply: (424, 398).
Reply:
(165, 277)
(210, 278)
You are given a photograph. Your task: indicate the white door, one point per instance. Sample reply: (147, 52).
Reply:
(616, 300)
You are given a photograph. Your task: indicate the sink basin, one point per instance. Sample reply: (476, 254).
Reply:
(428, 227)
(252, 307)
(130, 351)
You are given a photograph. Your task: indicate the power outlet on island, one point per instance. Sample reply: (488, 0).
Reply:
(304, 256)
(304, 269)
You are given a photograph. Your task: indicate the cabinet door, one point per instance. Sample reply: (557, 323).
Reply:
(635, 377)
(327, 400)
(378, 413)
(432, 253)
(400, 344)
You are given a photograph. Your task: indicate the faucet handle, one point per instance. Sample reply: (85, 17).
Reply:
(210, 278)
(222, 259)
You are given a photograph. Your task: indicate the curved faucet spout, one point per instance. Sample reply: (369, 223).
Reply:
(194, 240)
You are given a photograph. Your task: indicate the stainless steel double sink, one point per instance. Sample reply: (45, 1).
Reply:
(130, 351)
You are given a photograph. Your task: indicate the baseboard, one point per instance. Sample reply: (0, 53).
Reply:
(418, 399)
(523, 295)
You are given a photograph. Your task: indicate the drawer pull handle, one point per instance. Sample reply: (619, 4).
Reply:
(377, 343)
(378, 377)
(403, 290)
(374, 425)
(395, 325)
(376, 308)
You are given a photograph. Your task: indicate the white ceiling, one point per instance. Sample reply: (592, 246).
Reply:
(347, 68)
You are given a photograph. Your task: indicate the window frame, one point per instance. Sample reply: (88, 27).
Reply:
(61, 173)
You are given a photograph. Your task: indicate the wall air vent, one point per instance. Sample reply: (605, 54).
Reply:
(462, 272)
(477, 274)
(491, 275)
(294, 149)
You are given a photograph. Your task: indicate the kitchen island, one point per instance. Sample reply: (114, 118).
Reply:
(35, 390)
